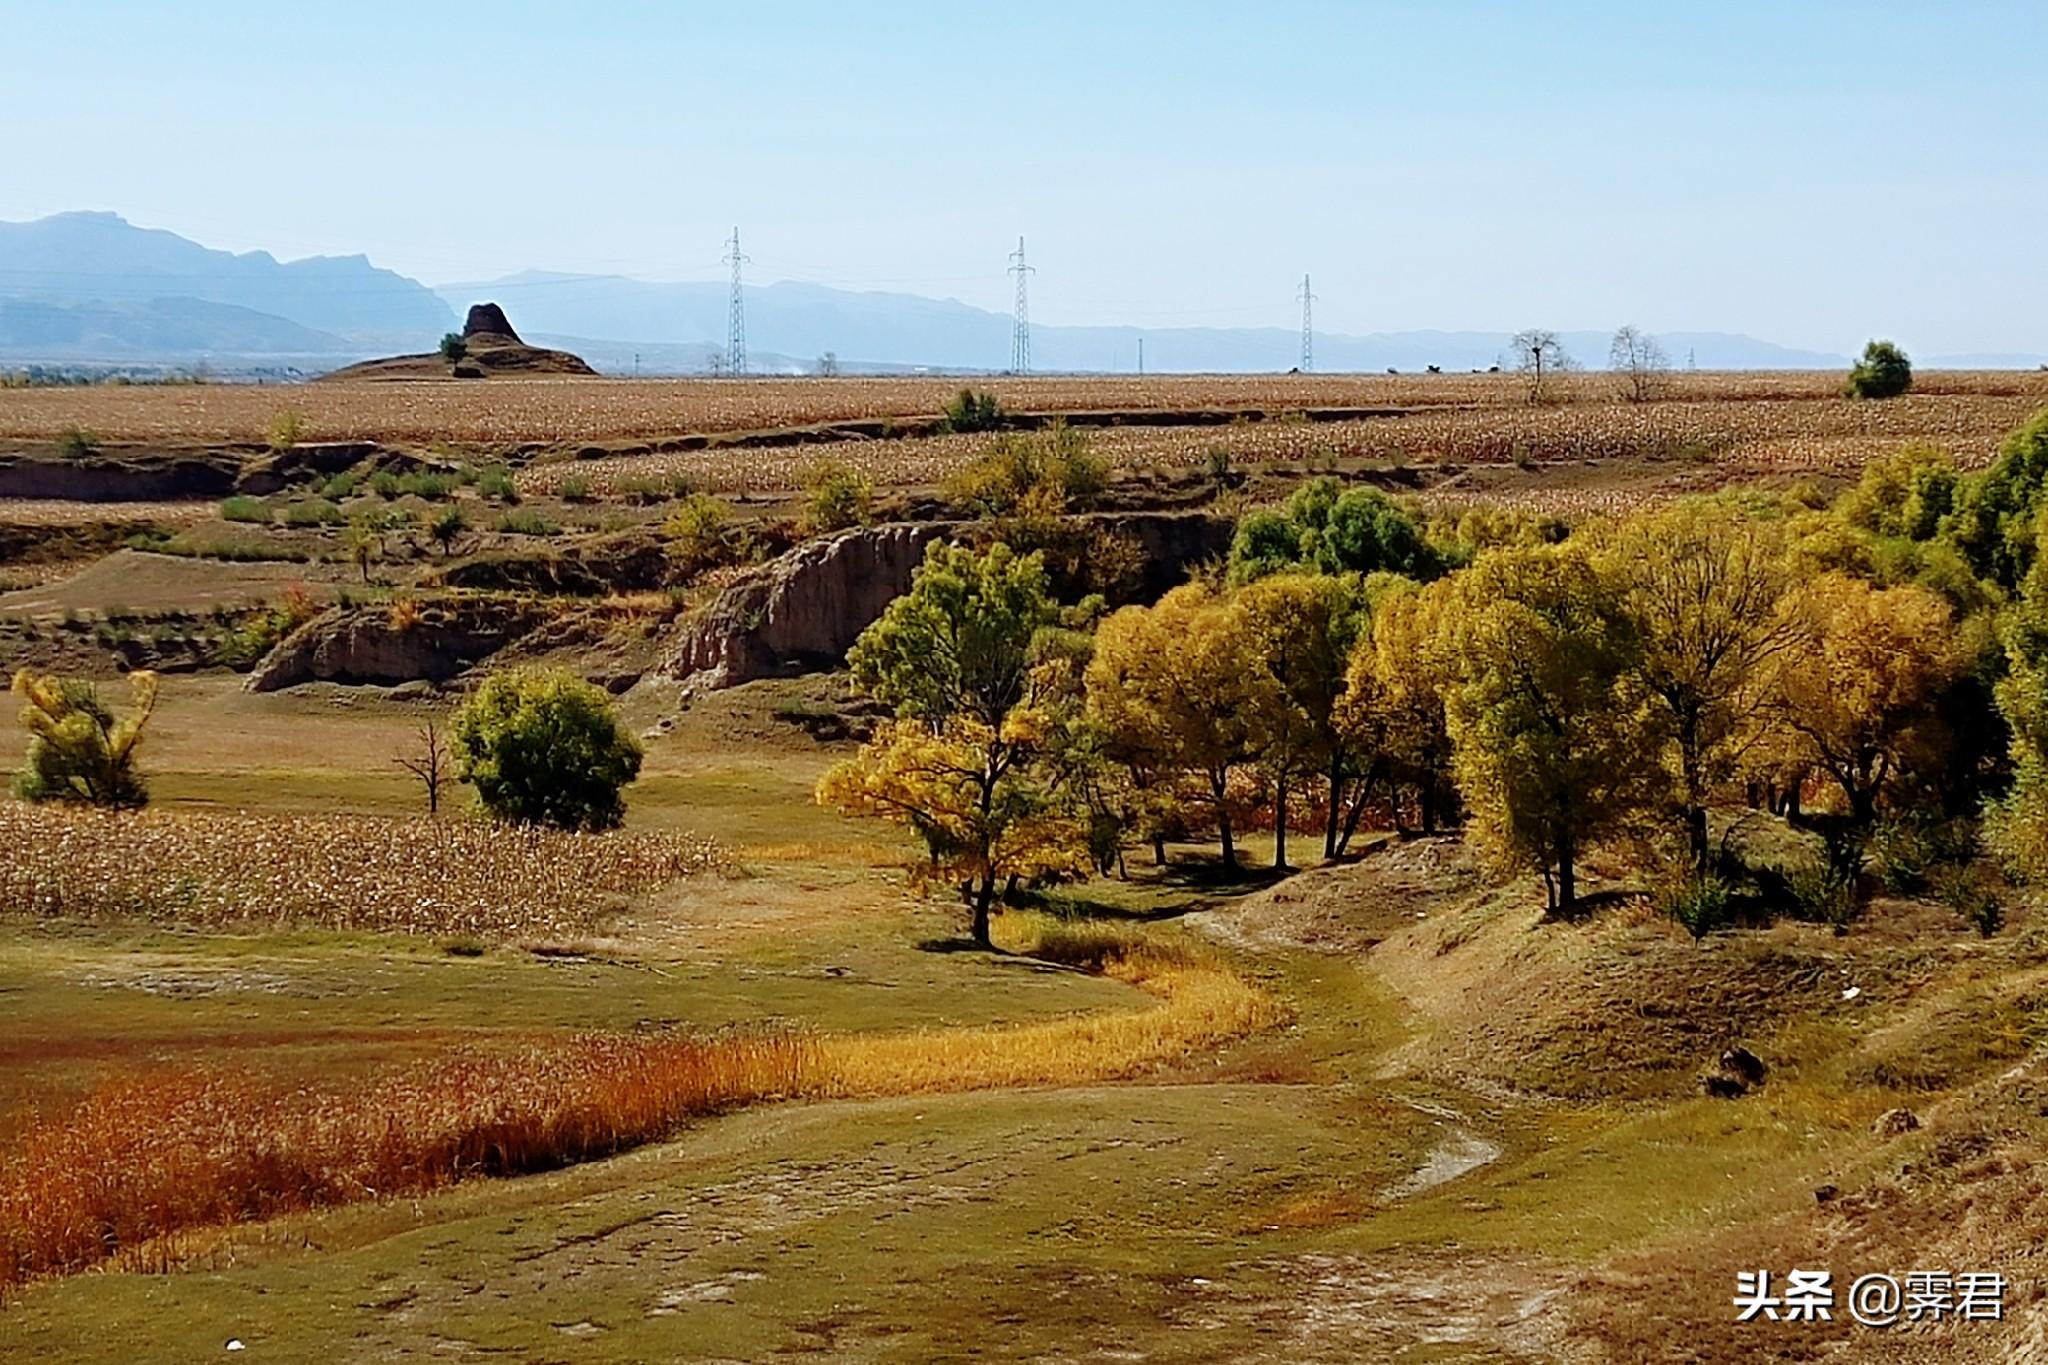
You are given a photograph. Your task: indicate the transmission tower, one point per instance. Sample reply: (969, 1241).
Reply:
(1020, 339)
(1308, 328)
(736, 322)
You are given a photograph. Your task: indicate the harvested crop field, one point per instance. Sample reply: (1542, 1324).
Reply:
(337, 872)
(508, 412)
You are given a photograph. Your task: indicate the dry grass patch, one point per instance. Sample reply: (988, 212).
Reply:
(439, 878)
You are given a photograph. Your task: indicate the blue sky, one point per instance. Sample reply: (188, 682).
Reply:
(1814, 173)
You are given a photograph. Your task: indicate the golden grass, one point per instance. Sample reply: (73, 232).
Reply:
(442, 877)
(1202, 1005)
(136, 1167)
(509, 412)
(136, 1164)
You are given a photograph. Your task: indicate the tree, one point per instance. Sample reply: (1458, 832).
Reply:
(1883, 371)
(429, 763)
(78, 749)
(970, 794)
(828, 365)
(1702, 587)
(544, 748)
(1551, 738)
(958, 660)
(1300, 629)
(1171, 682)
(364, 543)
(1639, 362)
(959, 642)
(2018, 824)
(1539, 356)
(1392, 711)
(453, 347)
(1321, 526)
(447, 527)
(1859, 690)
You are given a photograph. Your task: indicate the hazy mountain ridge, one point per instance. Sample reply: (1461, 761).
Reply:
(101, 258)
(92, 286)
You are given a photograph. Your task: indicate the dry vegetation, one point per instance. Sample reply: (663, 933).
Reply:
(131, 1167)
(550, 410)
(340, 872)
(1802, 433)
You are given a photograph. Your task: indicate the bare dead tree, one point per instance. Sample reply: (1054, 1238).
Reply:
(1639, 364)
(428, 763)
(1539, 356)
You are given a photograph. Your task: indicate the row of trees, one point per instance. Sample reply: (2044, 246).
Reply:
(1620, 682)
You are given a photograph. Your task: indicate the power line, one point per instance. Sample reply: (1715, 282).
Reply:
(1308, 329)
(736, 321)
(1020, 338)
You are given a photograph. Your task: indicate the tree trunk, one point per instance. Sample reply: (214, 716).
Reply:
(1280, 827)
(1567, 876)
(1427, 800)
(1216, 788)
(984, 897)
(1695, 780)
(1159, 850)
(1336, 799)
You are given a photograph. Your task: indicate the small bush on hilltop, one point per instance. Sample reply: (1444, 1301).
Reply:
(545, 749)
(453, 347)
(78, 750)
(1883, 372)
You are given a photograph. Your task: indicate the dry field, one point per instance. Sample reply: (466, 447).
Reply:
(451, 876)
(506, 412)
(1750, 436)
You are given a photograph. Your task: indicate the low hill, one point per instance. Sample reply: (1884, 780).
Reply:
(489, 347)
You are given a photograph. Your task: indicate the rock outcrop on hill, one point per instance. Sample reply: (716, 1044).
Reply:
(378, 645)
(490, 347)
(805, 609)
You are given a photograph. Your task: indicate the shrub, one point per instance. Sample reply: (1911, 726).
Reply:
(78, 750)
(524, 522)
(1822, 894)
(836, 496)
(1044, 475)
(342, 485)
(313, 512)
(428, 484)
(543, 748)
(76, 443)
(972, 411)
(701, 535)
(285, 429)
(1902, 851)
(496, 483)
(644, 492)
(1701, 904)
(447, 526)
(1966, 893)
(576, 488)
(1883, 372)
(453, 347)
(385, 484)
(242, 507)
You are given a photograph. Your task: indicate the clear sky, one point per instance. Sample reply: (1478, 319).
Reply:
(1810, 172)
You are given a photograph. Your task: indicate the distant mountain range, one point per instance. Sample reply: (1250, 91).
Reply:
(94, 288)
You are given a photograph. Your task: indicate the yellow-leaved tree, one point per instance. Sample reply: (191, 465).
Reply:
(1178, 684)
(1702, 585)
(1553, 740)
(78, 749)
(963, 764)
